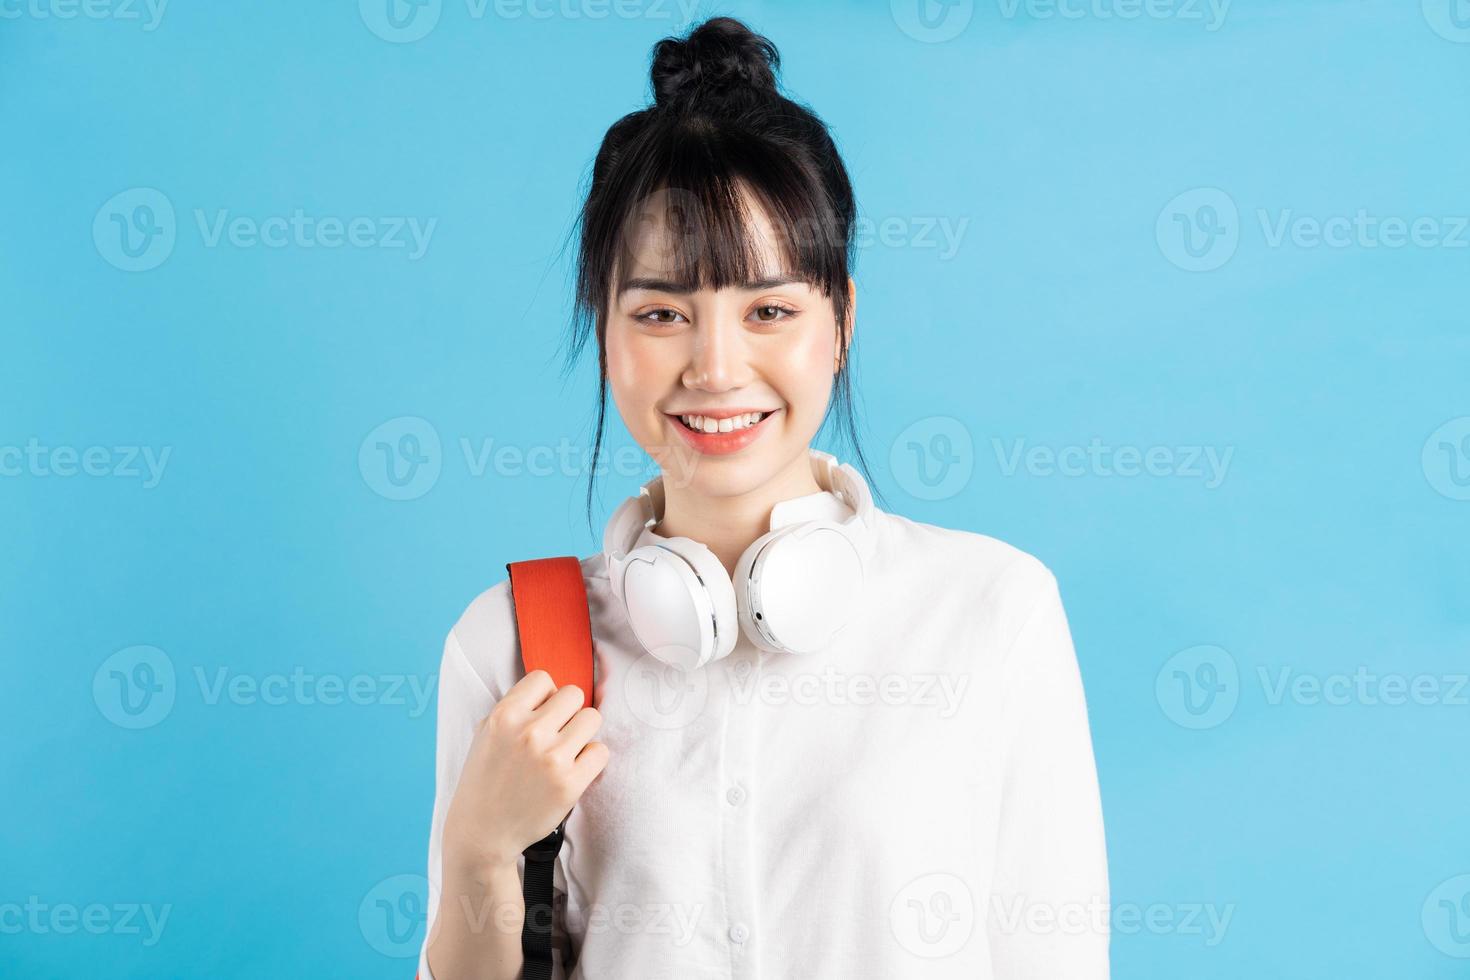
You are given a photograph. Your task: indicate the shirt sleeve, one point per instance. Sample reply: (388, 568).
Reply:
(464, 700)
(1048, 912)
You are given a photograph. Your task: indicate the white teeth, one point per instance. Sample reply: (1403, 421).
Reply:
(708, 425)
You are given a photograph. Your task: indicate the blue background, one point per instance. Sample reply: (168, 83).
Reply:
(1072, 310)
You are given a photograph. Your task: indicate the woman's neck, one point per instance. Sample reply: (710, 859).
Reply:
(727, 525)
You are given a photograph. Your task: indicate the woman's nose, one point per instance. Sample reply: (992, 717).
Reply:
(718, 361)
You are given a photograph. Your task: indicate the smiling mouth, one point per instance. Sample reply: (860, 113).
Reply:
(712, 426)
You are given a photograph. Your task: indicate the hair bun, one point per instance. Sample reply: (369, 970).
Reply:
(719, 63)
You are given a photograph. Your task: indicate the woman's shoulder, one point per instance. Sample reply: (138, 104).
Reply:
(999, 576)
(484, 636)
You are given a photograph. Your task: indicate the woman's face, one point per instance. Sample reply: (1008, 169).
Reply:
(768, 346)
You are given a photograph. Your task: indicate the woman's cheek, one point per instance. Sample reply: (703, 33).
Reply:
(808, 375)
(636, 378)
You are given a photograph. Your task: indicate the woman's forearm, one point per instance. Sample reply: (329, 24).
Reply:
(477, 928)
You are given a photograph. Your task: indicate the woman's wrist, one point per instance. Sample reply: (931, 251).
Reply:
(482, 868)
(485, 894)
(480, 919)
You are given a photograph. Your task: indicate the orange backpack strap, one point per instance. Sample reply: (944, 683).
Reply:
(552, 620)
(555, 630)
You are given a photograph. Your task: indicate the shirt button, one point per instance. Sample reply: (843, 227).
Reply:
(739, 933)
(736, 795)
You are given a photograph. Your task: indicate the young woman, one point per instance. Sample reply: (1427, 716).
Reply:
(831, 741)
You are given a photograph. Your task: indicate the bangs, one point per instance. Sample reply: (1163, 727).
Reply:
(690, 218)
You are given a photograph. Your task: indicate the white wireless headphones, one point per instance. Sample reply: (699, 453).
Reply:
(793, 588)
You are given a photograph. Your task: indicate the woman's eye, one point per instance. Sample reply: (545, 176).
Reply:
(772, 313)
(660, 316)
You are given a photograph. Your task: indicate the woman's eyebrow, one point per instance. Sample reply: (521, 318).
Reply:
(684, 288)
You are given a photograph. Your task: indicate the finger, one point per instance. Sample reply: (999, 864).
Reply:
(589, 762)
(576, 733)
(558, 709)
(531, 691)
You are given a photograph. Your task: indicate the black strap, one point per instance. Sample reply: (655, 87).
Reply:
(537, 893)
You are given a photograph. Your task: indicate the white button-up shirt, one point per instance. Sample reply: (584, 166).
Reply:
(918, 799)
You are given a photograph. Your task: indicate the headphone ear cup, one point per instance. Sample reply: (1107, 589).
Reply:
(797, 586)
(680, 603)
(744, 584)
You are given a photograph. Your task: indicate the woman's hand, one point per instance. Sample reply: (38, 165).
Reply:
(530, 761)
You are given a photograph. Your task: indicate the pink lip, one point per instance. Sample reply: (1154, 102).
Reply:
(722, 443)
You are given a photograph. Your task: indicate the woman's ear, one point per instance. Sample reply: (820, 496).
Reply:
(847, 327)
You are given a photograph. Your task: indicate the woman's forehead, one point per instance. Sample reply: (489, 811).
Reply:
(671, 239)
(670, 224)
